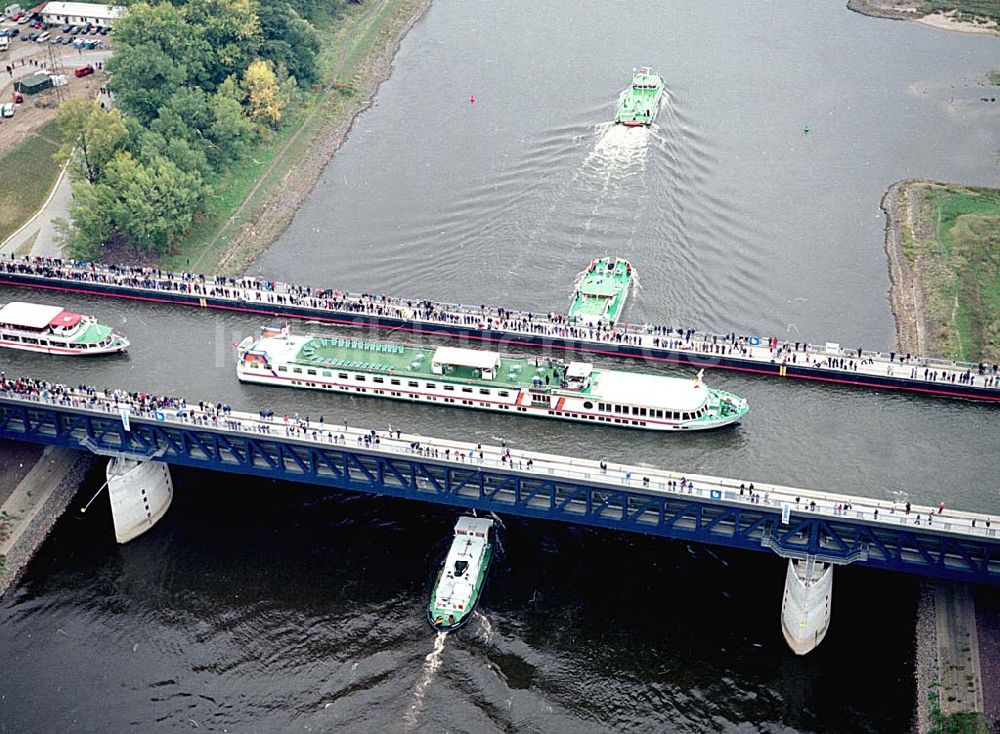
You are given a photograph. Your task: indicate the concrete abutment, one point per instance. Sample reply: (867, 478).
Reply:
(140, 493)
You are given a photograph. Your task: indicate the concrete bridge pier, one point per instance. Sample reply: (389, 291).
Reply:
(140, 492)
(806, 603)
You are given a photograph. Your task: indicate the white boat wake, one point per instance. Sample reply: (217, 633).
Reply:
(431, 664)
(618, 147)
(485, 626)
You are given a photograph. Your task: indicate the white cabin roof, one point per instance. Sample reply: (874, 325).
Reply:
(473, 526)
(466, 358)
(651, 391)
(84, 10)
(579, 370)
(28, 315)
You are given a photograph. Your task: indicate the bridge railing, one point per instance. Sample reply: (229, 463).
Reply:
(701, 343)
(650, 480)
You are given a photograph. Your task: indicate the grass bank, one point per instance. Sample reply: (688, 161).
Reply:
(959, 15)
(950, 238)
(257, 197)
(27, 175)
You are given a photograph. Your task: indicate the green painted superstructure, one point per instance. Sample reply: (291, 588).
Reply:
(406, 361)
(438, 616)
(641, 101)
(601, 292)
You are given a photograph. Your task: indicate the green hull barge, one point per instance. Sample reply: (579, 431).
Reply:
(639, 103)
(601, 292)
(460, 582)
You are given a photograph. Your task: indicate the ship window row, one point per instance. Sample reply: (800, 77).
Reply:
(381, 380)
(673, 415)
(46, 343)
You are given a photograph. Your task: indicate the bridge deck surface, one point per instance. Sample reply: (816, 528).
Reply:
(651, 480)
(921, 373)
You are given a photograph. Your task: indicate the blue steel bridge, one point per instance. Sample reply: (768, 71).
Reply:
(753, 354)
(790, 522)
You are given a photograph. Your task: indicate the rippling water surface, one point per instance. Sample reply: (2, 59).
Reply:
(259, 606)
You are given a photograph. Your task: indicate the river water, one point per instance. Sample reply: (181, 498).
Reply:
(258, 606)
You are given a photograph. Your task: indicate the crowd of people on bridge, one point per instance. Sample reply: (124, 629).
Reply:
(171, 408)
(251, 290)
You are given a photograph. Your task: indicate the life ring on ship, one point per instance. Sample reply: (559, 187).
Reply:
(753, 341)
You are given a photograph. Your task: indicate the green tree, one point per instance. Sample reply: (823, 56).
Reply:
(155, 203)
(92, 213)
(231, 131)
(92, 132)
(230, 29)
(290, 40)
(143, 79)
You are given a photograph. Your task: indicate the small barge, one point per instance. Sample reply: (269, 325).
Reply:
(35, 327)
(601, 292)
(639, 103)
(460, 582)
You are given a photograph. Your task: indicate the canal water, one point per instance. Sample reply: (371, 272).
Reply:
(259, 606)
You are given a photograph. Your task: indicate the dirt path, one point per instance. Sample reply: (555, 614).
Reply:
(298, 181)
(905, 292)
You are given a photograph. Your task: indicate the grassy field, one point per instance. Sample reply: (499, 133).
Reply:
(960, 265)
(349, 43)
(27, 175)
(964, 8)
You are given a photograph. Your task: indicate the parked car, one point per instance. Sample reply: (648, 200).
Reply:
(31, 37)
(7, 110)
(43, 37)
(104, 31)
(57, 39)
(84, 70)
(67, 40)
(74, 30)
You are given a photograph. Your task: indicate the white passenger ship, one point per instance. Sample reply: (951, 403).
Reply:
(485, 380)
(35, 327)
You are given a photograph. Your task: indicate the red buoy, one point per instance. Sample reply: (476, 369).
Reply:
(472, 99)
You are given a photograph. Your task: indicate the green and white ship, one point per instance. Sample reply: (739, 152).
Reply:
(460, 582)
(639, 103)
(601, 292)
(35, 327)
(484, 380)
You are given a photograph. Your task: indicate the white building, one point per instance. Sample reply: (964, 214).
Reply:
(60, 13)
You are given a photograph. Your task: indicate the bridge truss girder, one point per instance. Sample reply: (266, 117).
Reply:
(687, 517)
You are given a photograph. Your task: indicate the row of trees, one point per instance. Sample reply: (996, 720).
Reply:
(196, 86)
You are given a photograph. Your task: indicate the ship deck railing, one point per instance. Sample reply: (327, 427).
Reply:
(653, 480)
(702, 342)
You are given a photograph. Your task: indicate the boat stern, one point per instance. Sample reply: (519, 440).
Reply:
(442, 620)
